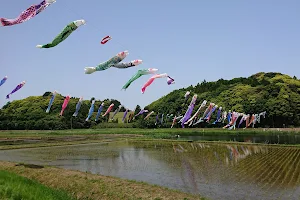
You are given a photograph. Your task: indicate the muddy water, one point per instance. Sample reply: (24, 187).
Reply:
(214, 171)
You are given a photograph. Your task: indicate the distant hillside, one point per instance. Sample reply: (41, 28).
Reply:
(276, 93)
(30, 113)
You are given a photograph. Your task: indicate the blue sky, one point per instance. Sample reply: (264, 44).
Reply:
(190, 40)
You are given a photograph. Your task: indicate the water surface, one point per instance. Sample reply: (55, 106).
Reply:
(215, 171)
(267, 139)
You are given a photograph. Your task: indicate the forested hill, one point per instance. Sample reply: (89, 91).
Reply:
(30, 113)
(276, 93)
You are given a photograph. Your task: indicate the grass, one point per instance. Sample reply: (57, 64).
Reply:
(13, 186)
(148, 132)
(90, 186)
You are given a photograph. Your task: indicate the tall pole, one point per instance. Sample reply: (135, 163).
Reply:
(71, 122)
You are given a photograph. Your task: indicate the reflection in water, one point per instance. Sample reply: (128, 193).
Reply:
(216, 171)
(187, 171)
(267, 139)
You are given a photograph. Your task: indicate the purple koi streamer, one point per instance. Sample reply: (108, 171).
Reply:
(189, 110)
(141, 112)
(125, 114)
(16, 89)
(170, 80)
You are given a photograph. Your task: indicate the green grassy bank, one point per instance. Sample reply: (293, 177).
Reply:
(153, 133)
(15, 179)
(13, 186)
(149, 132)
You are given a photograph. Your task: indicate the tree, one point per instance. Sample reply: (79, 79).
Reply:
(30, 113)
(275, 93)
(6, 105)
(137, 109)
(47, 94)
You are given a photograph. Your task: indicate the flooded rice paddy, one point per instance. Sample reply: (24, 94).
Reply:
(217, 171)
(266, 139)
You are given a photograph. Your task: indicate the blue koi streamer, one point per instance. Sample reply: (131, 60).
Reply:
(78, 105)
(218, 116)
(3, 80)
(229, 116)
(91, 110)
(99, 111)
(51, 101)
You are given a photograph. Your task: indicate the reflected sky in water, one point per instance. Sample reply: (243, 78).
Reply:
(214, 171)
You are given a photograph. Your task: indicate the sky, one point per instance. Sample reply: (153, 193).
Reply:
(189, 40)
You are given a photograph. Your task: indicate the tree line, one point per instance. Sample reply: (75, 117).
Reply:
(275, 93)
